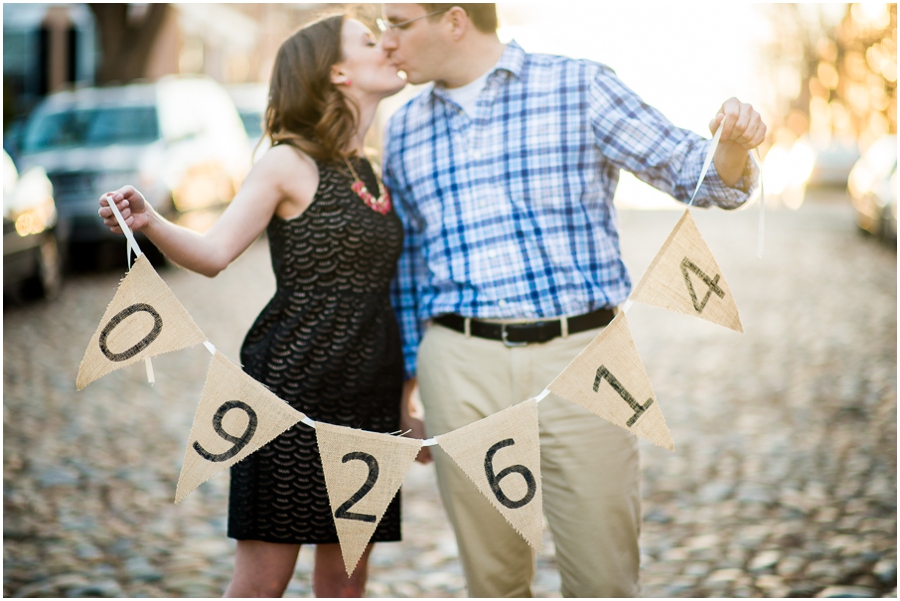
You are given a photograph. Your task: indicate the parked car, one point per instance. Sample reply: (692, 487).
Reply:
(179, 140)
(31, 256)
(873, 189)
(832, 164)
(251, 100)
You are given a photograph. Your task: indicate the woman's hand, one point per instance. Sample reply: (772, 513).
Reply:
(131, 204)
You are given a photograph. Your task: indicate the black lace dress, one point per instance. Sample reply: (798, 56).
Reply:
(327, 343)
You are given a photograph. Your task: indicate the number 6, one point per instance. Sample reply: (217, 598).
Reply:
(494, 480)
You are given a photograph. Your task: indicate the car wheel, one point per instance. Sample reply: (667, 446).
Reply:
(47, 280)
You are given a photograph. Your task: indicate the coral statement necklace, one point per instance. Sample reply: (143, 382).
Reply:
(382, 204)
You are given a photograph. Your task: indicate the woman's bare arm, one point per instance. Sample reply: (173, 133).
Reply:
(282, 182)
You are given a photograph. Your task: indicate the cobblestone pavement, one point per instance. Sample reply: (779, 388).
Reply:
(783, 481)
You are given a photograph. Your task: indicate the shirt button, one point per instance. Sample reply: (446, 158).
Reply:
(502, 303)
(476, 154)
(492, 253)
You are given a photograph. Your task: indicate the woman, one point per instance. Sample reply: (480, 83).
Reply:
(327, 342)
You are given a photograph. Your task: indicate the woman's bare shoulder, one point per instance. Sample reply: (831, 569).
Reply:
(287, 161)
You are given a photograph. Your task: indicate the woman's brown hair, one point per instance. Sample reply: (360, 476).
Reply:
(305, 109)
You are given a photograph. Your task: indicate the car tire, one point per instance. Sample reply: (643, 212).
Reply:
(47, 280)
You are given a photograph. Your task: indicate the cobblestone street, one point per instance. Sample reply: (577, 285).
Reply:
(782, 483)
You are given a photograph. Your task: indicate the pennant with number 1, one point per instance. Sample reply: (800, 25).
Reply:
(608, 378)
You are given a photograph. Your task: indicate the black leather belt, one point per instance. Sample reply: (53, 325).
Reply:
(520, 334)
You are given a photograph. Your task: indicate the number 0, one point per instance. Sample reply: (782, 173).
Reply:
(142, 344)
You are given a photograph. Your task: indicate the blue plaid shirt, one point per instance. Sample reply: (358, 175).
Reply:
(510, 213)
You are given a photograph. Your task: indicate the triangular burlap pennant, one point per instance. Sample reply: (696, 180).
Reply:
(236, 416)
(608, 378)
(684, 277)
(144, 319)
(363, 472)
(501, 454)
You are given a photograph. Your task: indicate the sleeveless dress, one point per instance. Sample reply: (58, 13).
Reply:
(327, 343)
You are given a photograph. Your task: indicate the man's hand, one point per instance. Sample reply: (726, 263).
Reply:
(742, 130)
(131, 204)
(412, 423)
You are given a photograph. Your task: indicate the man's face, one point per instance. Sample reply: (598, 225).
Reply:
(415, 47)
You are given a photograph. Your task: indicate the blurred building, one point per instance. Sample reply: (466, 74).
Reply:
(51, 47)
(45, 48)
(833, 70)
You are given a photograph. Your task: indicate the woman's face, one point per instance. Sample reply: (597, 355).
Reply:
(365, 63)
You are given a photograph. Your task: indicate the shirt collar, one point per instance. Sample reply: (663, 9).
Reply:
(512, 60)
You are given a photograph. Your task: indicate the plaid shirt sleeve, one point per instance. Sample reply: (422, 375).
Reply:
(638, 138)
(411, 269)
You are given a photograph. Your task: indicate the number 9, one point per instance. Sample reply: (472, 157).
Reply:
(239, 441)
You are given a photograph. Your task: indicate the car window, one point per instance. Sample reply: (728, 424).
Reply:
(252, 123)
(92, 128)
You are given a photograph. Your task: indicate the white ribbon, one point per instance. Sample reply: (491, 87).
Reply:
(131, 247)
(150, 377)
(709, 157)
(132, 243)
(762, 205)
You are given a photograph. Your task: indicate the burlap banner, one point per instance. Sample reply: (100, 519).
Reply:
(684, 277)
(144, 319)
(608, 378)
(501, 454)
(236, 416)
(363, 472)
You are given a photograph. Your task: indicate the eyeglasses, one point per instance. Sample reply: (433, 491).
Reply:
(386, 26)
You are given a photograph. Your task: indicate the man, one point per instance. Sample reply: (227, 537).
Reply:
(503, 173)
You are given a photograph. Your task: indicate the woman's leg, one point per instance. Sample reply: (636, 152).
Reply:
(262, 569)
(330, 578)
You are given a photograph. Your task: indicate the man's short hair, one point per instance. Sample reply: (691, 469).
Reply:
(483, 16)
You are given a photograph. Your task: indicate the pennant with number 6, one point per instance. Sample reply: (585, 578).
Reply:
(236, 416)
(501, 454)
(144, 319)
(684, 277)
(363, 472)
(608, 378)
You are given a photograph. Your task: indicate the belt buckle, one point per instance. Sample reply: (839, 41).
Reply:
(506, 341)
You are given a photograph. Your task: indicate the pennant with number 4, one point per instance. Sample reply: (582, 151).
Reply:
(501, 454)
(608, 378)
(144, 319)
(684, 277)
(363, 472)
(236, 416)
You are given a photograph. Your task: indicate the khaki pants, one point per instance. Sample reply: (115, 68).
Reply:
(590, 469)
